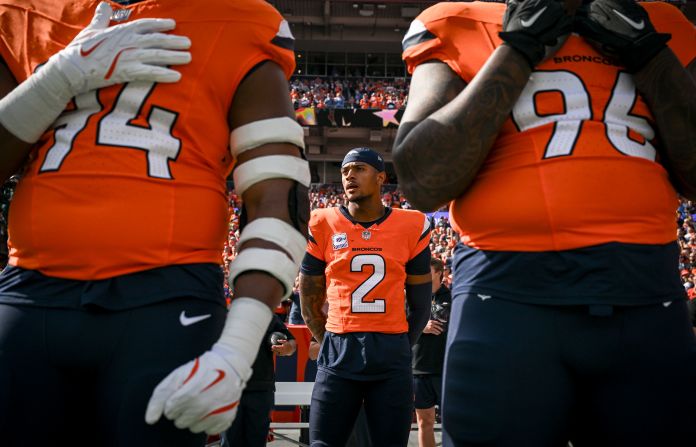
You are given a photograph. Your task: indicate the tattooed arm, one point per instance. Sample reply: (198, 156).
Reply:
(447, 130)
(670, 92)
(312, 299)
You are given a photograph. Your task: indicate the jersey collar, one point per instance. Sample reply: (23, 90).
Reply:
(346, 214)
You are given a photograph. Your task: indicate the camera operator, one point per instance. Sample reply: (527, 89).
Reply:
(428, 357)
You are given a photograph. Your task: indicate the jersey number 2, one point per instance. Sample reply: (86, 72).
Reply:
(358, 303)
(116, 129)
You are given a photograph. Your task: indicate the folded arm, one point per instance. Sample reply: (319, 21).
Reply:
(447, 130)
(670, 92)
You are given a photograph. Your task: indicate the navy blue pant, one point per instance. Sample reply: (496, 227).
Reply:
(518, 374)
(336, 402)
(250, 427)
(84, 378)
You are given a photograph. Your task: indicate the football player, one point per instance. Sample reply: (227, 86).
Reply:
(360, 258)
(561, 132)
(113, 322)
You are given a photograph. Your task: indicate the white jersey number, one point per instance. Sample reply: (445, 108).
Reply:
(577, 108)
(116, 129)
(358, 303)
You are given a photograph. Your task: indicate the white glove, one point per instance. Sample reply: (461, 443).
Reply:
(99, 56)
(203, 395)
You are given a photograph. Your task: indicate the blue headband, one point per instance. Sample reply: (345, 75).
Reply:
(365, 155)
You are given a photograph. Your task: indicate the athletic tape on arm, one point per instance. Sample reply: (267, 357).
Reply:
(280, 233)
(272, 166)
(274, 262)
(272, 130)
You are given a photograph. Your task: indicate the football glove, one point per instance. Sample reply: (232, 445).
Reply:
(621, 29)
(203, 395)
(99, 56)
(532, 27)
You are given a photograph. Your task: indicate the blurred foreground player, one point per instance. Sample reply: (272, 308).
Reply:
(560, 154)
(117, 224)
(360, 258)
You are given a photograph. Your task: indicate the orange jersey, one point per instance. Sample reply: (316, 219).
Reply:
(366, 267)
(576, 164)
(132, 177)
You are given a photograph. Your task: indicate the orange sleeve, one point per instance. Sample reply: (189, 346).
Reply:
(426, 39)
(277, 43)
(423, 238)
(668, 19)
(462, 35)
(315, 241)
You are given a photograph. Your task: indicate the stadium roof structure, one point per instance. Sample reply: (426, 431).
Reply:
(334, 16)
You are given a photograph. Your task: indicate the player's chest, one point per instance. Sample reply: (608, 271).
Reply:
(345, 244)
(578, 82)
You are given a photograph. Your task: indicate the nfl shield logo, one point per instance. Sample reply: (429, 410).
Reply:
(366, 235)
(120, 15)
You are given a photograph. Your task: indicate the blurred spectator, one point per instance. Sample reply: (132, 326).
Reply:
(295, 316)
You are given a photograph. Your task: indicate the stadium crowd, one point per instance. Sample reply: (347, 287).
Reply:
(444, 238)
(349, 93)
(686, 232)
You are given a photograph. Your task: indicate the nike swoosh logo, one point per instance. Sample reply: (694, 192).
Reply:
(112, 68)
(637, 25)
(85, 53)
(484, 297)
(532, 19)
(221, 375)
(188, 321)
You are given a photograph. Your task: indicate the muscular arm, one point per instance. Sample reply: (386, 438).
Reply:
(312, 299)
(263, 95)
(447, 130)
(13, 151)
(670, 92)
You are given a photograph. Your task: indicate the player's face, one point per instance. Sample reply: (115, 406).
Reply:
(361, 181)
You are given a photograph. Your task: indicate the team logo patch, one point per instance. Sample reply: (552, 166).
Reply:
(366, 235)
(120, 15)
(339, 240)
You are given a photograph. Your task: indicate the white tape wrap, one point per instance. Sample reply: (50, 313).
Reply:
(274, 262)
(272, 130)
(30, 109)
(246, 324)
(271, 166)
(278, 232)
